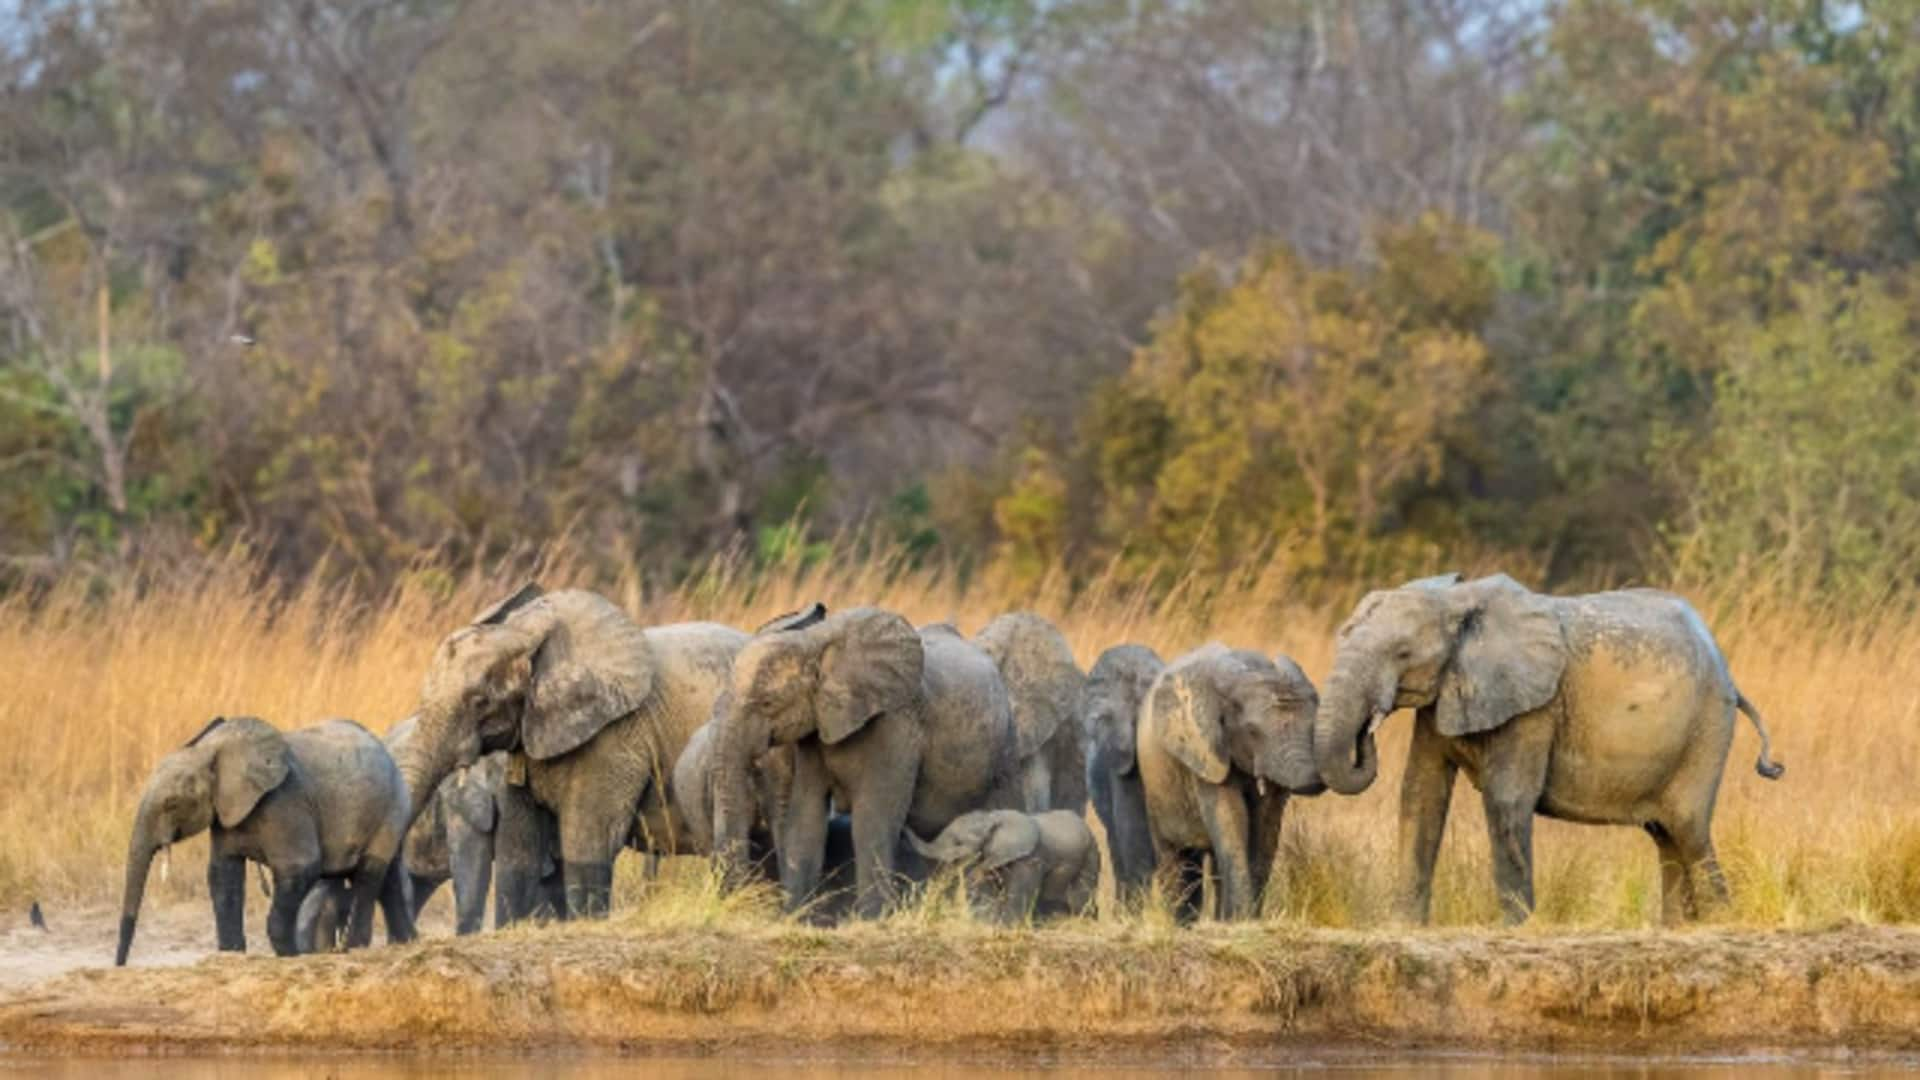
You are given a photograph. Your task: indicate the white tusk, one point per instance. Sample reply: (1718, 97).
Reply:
(1260, 785)
(166, 862)
(1374, 724)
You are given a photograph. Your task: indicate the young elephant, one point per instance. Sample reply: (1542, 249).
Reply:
(1224, 736)
(324, 801)
(1612, 708)
(478, 829)
(1109, 707)
(1031, 864)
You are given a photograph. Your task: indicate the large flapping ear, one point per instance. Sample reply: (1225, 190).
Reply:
(870, 663)
(514, 601)
(1509, 654)
(1042, 679)
(794, 620)
(249, 760)
(1013, 837)
(1192, 713)
(470, 792)
(591, 666)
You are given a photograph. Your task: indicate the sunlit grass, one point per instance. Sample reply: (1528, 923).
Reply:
(100, 685)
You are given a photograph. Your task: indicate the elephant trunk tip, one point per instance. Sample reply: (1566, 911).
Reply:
(1772, 770)
(126, 940)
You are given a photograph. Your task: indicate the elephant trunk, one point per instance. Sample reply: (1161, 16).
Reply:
(733, 799)
(425, 759)
(140, 854)
(1343, 746)
(1294, 765)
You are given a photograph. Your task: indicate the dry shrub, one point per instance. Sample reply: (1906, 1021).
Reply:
(100, 685)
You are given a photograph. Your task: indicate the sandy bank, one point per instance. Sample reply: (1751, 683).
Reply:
(1215, 992)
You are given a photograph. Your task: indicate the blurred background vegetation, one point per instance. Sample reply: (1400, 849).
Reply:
(1116, 289)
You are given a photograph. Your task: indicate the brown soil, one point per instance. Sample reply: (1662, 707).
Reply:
(1070, 992)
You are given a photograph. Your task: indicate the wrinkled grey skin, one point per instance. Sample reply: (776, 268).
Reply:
(600, 707)
(1225, 735)
(1109, 707)
(1043, 684)
(1026, 865)
(322, 802)
(893, 726)
(1610, 708)
(475, 823)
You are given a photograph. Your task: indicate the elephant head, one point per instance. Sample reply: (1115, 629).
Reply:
(1043, 681)
(817, 676)
(1224, 709)
(983, 841)
(538, 672)
(1110, 703)
(220, 775)
(1478, 653)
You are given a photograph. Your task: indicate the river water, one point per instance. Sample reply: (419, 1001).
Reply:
(605, 1068)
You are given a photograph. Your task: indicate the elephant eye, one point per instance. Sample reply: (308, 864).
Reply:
(1404, 653)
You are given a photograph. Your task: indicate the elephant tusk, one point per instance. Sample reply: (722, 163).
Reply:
(166, 862)
(1260, 786)
(1379, 717)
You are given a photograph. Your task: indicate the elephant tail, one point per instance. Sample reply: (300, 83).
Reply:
(1765, 766)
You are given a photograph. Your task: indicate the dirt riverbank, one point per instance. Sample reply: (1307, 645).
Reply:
(1085, 991)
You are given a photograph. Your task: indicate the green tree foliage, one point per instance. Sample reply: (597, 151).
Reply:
(1619, 287)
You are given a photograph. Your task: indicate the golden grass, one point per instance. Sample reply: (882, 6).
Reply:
(98, 687)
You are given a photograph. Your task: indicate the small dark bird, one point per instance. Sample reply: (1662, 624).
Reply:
(38, 920)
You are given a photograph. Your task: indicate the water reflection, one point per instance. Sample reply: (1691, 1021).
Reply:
(604, 1068)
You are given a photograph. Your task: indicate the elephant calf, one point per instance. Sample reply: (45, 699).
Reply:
(322, 802)
(1030, 864)
(1224, 736)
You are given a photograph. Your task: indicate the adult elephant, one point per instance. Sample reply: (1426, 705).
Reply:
(1224, 737)
(1043, 685)
(1610, 708)
(1109, 707)
(598, 708)
(894, 726)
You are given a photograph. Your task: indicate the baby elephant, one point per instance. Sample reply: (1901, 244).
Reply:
(1039, 864)
(325, 801)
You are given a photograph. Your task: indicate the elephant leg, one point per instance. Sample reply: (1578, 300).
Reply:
(1513, 779)
(1020, 889)
(1224, 812)
(589, 888)
(1185, 879)
(1676, 885)
(877, 820)
(592, 833)
(369, 881)
(1426, 793)
(470, 855)
(1036, 784)
(1706, 882)
(397, 905)
(227, 888)
(801, 840)
(1269, 815)
(290, 887)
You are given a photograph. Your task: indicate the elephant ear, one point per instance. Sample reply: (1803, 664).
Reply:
(1439, 581)
(1012, 838)
(249, 760)
(1508, 659)
(500, 609)
(592, 665)
(469, 792)
(871, 662)
(1041, 676)
(1192, 711)
(794, 620)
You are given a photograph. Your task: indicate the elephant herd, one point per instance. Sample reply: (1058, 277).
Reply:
(844, 754)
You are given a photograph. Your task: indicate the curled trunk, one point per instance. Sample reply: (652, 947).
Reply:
(1343, 746)
(735, 748)
(424, 759)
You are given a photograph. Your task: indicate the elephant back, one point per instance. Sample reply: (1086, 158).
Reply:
(1043, 681)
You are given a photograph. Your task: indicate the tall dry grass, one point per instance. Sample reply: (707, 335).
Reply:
(98, 687)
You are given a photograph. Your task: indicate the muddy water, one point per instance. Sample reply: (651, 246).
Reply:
(1334, 1068)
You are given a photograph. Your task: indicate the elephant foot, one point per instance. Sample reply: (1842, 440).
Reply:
(589, 890)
